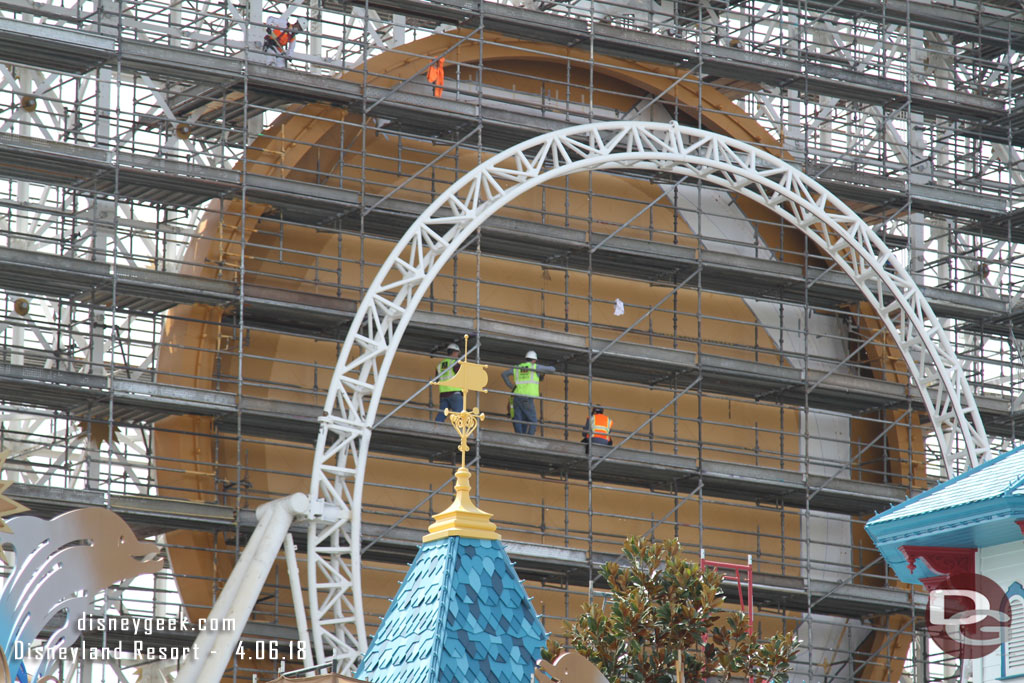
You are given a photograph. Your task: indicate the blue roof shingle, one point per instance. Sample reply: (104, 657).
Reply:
(1001, 476)
(461, 614)
(976, 509)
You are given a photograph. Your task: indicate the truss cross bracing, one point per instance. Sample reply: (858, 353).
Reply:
(140, 230)
(454, 217)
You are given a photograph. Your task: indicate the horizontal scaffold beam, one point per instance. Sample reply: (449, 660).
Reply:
(996, 27)
(574, 354)
(169, 181)
(56, 48)
(421, 439)
(987, 23)
(89, 396)
(1008, 226)
(715, 60)
(556, 564)
(143, 290)
(500, 127)
(281, 310)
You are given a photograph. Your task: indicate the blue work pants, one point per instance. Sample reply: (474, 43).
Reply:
(452, 400)
(525, 420)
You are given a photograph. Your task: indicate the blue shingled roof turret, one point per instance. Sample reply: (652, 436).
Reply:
(461, 614)
(1002, 476)
(979, 508)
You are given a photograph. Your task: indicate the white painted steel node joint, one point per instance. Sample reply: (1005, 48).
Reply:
(355, 391)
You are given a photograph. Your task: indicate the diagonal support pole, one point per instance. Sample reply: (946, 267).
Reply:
(214, 650)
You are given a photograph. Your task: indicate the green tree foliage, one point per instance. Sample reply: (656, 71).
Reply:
(661, 605)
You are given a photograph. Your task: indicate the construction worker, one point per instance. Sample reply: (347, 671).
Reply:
(279, 41)
(598, 428)
(451, 398)
(524, 380)
(435, 75)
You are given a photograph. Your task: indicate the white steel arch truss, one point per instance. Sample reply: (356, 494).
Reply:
(404, 278)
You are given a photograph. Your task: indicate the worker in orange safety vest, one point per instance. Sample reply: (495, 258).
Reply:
(279, 41)
(598, 428)
(435, 75)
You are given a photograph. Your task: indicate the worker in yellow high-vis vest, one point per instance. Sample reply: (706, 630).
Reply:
(451, 398)
(524, 380)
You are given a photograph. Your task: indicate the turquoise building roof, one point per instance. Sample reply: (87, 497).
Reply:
(976, 509)
(461, 614)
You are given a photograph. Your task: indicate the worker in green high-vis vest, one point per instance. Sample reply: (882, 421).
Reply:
(451, 398)
(524, 380)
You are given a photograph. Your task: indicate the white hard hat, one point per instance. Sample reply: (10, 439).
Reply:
(452, 347)
(531, 355)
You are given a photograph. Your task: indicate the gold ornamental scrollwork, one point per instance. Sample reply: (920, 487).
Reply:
(470, 377)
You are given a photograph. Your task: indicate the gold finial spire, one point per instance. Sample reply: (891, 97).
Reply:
(462, 517)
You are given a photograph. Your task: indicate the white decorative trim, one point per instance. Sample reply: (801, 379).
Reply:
(404, 278)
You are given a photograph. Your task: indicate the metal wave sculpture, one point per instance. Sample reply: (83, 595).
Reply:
(59, 566)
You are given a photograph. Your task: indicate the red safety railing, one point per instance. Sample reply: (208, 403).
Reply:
(746, 601)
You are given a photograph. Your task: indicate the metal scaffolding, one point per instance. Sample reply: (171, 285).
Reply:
(190, 228)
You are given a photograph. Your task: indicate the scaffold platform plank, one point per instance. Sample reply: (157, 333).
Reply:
(714, 60)
(534, 561)
(143, 290)
(571, 353)
(279, 310)
(499, 127)
(175, 182)
(421, 439)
